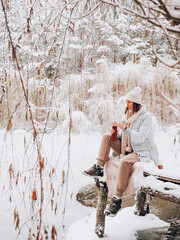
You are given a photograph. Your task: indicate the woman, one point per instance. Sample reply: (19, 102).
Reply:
(136, 143)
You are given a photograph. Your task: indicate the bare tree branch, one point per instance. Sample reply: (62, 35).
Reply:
(168, 38)
(57, 67)
(157, 7)
(19, 71)
(173, 65)
(84, 15)
(169, 101)
(168, 14)
(35, 132)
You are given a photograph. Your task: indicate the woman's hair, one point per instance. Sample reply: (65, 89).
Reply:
(136, 107)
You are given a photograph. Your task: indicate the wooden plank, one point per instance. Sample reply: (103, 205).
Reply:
(161, 178)
(161, 195)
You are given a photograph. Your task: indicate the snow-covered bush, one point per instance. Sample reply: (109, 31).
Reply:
(63, 66)
(96, 99)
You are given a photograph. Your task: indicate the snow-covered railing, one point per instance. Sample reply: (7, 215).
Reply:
(165, 188)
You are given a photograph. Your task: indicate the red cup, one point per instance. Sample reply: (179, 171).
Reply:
(160, 166)
(114, 135)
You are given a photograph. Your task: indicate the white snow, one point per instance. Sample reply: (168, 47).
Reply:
(75, 47)
(164, 187)
(103, 49)
(115, 40)
(173, 7)
(121, 227)
(77, 221)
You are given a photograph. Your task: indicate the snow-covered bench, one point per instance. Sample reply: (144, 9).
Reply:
(142, 182)
(165, 188)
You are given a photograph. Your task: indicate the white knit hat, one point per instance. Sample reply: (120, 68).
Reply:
(134, 95)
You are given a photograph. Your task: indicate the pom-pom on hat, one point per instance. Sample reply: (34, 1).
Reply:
(134, 95)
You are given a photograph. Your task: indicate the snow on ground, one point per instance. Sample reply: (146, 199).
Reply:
(84, 150)
(12, 147)
(121, 227)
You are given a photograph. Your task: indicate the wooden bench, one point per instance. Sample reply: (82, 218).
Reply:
(142, 206)
(144, 191)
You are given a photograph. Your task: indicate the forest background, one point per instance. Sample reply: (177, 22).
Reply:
(95, 59)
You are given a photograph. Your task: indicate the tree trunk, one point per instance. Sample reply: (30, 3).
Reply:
(101, 205)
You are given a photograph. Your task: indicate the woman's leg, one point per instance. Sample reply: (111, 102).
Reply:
(125, 168)
(105, 146)
(123, 177)
(97, 170)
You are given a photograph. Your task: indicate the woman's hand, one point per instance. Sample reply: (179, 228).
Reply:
(112, 131)
(119, 125)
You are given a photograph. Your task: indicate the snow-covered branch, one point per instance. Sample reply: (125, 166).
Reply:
(164, 14)
(169, 101)
(84, 15)
(165, 10)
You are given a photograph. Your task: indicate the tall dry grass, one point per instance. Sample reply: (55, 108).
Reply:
(96, 98)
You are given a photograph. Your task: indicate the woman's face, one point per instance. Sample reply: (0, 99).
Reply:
(129, 104)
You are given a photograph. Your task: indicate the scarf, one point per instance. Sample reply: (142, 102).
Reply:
(126, 143)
